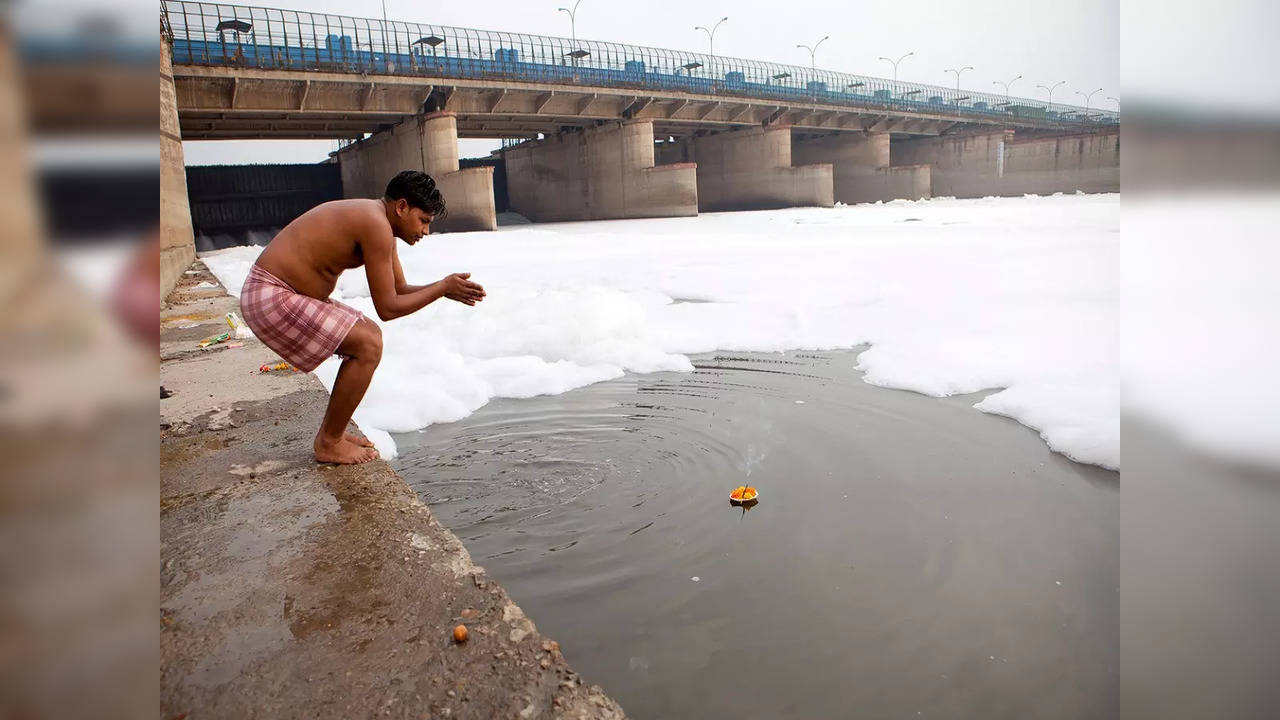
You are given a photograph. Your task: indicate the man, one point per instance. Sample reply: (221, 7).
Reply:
(285, 300)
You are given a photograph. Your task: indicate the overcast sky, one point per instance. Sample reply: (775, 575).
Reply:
(1043, 40)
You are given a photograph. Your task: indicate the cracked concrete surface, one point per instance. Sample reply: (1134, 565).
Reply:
(290, 589)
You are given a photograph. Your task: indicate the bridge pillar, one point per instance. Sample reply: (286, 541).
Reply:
(999, 163)
(428, 143)
(751, 169)
(861, 168)
(602, 172)
(177, 237)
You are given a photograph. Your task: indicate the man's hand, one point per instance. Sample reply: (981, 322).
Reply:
(458, 287)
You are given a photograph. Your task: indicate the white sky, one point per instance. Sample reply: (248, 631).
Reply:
(1042, 40)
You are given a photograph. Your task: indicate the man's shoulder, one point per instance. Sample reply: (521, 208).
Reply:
(364, 217)
(355, 208)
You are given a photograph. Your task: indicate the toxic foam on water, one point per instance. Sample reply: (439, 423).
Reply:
(1012, 293)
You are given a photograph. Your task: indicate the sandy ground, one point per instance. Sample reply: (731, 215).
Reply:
(290, 589)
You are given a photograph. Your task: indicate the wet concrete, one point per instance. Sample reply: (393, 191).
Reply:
(290, 589)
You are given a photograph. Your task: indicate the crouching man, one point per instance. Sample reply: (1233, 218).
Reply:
(285, 299)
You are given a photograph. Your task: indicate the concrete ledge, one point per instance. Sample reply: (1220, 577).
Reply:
(293, 590)
(604, 172)
(906, 182)
(996, 164)
(751, 169)
(468, 197)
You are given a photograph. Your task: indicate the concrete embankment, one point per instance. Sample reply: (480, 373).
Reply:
(290, 589)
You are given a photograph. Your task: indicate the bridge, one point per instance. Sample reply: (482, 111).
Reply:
(604, 130)
(251, 72)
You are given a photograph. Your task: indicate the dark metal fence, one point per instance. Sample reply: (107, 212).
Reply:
(219, 34)
(232, 204)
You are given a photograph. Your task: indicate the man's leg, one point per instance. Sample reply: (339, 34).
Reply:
(363, 350)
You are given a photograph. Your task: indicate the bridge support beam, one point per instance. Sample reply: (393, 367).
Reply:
(428, 143)
(1001, 164)
(862, 172)
(750, 169)
(602, 172)
(177, 237)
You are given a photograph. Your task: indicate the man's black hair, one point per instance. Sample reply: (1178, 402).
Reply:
(419, 189)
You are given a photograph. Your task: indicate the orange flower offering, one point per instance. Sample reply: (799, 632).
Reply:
(743, 492)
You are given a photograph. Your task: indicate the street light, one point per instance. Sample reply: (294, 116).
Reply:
(814, 49)
(1006, 87)
(573, 26)
(711, 35)
(957, 72)
(895, 63)
(1116, 101)
(1087, 98)
(1049, 89)
(384, 29)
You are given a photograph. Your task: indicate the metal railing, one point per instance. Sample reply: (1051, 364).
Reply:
(268, 38)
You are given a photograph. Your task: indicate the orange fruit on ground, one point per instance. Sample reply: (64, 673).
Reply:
(460, 634)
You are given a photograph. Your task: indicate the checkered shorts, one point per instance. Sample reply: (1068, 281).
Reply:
(301, 329)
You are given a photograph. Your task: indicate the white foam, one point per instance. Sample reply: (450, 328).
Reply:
(1015, 293)
(1201, 340)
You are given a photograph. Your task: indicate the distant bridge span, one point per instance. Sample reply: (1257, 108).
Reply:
(245, 72)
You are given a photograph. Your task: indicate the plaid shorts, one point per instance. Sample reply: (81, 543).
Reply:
(301, 329)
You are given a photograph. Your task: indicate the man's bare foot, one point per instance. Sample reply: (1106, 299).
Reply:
(357, 440)
(343, 452)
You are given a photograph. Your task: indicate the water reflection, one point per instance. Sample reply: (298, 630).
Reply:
(944, 558)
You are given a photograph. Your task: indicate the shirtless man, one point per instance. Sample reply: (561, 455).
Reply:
(285, 300)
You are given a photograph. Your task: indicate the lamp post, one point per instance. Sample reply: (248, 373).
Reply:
(1087, 98)
(958, 72)
(384, 26)
(1006, 86)
(711, 35)
(573, 26)
(1049, 89)
(895, 63)
(1115, 100)
(813, 50)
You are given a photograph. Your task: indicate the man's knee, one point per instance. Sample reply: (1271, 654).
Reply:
(367, 343)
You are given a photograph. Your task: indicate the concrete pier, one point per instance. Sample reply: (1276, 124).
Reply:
(428, 143)
(604, 172)
(177, 238)
(861, 168)
(1004, 164)
(751, 169)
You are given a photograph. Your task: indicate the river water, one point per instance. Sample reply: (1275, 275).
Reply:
(909, 556)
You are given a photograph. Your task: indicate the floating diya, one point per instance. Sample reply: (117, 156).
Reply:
(744, 494)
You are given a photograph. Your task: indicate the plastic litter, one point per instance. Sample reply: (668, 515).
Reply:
(237, 325)
(215, 339)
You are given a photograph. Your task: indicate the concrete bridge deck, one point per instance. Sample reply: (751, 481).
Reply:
(249, 103)
(249, 72)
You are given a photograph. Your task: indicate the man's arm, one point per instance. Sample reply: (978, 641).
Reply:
(381, 266)
(402, 287)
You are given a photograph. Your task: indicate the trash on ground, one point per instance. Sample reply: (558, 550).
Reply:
(277, 367)
(215, 339)
(241, 330)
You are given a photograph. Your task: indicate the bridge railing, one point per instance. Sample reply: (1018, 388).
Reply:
(240, 35)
